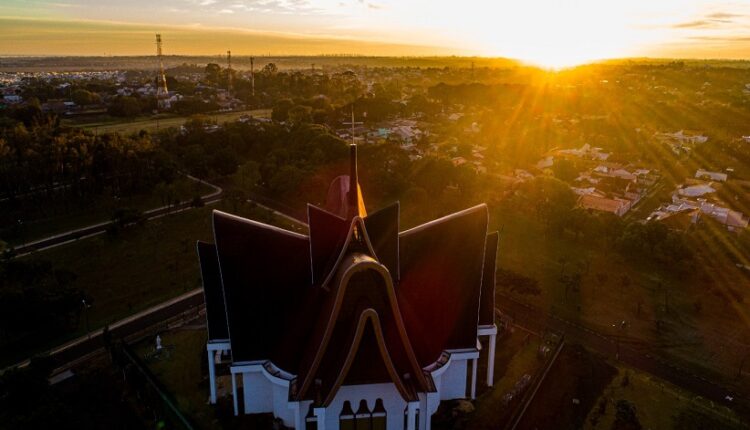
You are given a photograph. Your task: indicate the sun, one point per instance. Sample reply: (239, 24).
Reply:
(558, 59)
(556, 35)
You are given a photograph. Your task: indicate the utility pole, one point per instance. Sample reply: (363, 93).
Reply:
(252, 75)
(229, 72)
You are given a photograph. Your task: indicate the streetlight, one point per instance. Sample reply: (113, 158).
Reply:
(86, 307)
(623, 324)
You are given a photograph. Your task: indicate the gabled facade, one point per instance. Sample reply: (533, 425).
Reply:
(356, 322)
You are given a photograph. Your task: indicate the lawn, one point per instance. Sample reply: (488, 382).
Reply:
(575, 382)
(133, 270)
(659, 405)
(151, 124)
(516, 356)
(45, 218)
(697, 319)
(182, 370)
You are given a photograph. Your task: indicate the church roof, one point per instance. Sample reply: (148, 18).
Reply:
(355, 301)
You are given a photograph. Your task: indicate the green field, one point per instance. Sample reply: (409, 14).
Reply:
(659, 405)
(152, 124)
(132, 270)
(56, 215)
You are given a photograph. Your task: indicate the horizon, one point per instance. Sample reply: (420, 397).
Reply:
(559, 36)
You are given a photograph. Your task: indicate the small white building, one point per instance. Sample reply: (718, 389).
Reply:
(713, 176)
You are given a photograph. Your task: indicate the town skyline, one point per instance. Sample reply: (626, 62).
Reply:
(540, 32)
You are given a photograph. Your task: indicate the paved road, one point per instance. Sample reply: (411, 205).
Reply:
(606, 344)
(96, 229)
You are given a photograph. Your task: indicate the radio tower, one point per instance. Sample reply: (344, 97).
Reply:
(229, 72)
(162, 96)
(252, 74)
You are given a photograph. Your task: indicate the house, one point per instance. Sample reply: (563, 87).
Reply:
(696, 190)
(712, 176)
(356, 324)
(545, 162)
(731, 219)
(615, 205)
(12, 99)
(586, 151)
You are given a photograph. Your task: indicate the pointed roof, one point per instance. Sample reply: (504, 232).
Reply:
(354, 302)
(441, 277)
(487, 299)
(361, 286)
(213, 294)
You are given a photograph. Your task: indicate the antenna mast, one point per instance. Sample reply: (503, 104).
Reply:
(252, 74)
(229, 72)
(162, 95)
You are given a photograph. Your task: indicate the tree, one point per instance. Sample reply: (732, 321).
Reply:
(286, 179)
(124, 106)
(213, 72)
(517, 283)
(624, 282)
(626, 416)
(224, 161)
(36, 297)
(248, 175)
(565, 170)
(571, 282)
(270, 69)
(300, 114)
(280, 111)
(82, 97)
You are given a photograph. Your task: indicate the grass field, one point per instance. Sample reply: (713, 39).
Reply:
(659, 405)
(133, 270)
(184, 373)
(180, 370)
(689, 318)
(516, 356)
(151, 124)
(575, 382)
(55, 215)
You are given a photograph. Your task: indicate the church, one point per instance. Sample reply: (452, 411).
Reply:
(356, 325)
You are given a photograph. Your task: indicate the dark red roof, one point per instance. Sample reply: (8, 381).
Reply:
(441, 278)
(487, 299)
(216, 314)
(355, 301)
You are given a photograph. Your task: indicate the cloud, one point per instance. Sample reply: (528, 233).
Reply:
(694, 24)
(723, 15)
(226, 11)
(721, 38)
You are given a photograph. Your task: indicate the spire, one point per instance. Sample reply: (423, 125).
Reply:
(355, 202)
(353, 196)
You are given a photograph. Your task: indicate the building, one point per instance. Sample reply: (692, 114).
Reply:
(711, 176)
(355, 325)
(595, 201)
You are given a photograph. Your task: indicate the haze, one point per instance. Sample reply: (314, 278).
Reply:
(545, 32)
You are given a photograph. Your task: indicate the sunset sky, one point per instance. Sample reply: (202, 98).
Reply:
(546, 32)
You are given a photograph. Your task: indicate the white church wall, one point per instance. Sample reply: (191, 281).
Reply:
(453, 380)
(393, 403)
(257, 390)
(264, 392)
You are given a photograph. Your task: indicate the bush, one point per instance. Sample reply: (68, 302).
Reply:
(517, 283)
